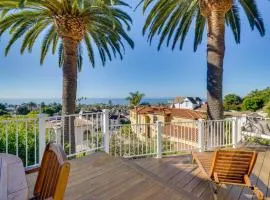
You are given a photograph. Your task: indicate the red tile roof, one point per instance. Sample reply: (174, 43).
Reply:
(173, 112)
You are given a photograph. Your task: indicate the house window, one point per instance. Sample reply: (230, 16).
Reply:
(86, 135)
(155, 119)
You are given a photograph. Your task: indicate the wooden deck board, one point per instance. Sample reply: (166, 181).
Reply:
(104, 177)
(263, 176)
(100, 177)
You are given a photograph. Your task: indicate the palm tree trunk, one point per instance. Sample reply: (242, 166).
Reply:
(69, 92)
(215, 57)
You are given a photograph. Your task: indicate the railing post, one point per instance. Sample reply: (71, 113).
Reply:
(201, 123)
(42, 132)
(106, 131)
(239, 130)
(234, 131)
(159, 139)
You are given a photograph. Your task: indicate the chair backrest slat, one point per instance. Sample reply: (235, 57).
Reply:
(231, 166)
(53, 163)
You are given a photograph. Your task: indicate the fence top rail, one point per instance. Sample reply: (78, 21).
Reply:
(220, 120)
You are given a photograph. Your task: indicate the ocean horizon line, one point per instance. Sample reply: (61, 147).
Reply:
(120, 101)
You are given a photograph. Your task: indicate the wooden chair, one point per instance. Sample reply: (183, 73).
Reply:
(228, 167)
(53, 174)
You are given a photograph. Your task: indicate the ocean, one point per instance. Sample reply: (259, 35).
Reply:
(88, 101)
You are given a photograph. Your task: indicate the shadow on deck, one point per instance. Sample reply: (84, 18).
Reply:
(100, 177)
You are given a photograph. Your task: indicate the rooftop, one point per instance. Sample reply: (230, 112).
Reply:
(181, 113)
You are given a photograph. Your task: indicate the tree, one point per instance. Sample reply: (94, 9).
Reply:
(135, 98)
(267, 109)
(262, 94)
(22, 110)
(172, 19)
(32, 106)
(51, 109)
(252, 104)
(3, 109)
(68, 24)
(232, 102)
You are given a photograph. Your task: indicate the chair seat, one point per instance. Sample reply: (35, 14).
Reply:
(223, 166)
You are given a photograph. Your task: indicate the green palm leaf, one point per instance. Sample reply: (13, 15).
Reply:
(105, 20)
(171, 20)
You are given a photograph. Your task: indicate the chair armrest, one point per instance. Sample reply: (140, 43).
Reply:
(31, 170)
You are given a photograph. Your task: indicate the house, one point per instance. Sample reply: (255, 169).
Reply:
(86, 130)
(115, 119)
(175, 121)
(148, 115)
(187, 103)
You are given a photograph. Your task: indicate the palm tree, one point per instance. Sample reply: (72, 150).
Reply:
(32, 106)
(135, 98)
(68, 25)
(172, 19)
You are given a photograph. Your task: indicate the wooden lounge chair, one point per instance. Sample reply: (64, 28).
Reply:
(228, 167)
(52, 174)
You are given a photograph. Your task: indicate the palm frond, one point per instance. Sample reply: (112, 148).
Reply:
(253, 15)
(105, 21)
(233, 20)
(171, 20)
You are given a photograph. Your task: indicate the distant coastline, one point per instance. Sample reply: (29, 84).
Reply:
(88, 101)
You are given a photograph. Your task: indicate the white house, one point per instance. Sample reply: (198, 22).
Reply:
(188, 103)
(88, 129)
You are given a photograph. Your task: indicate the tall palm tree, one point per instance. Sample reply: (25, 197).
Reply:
(135, 98)
(172, 19)
(67, 25)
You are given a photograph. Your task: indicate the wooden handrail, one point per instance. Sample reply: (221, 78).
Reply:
(31, 170)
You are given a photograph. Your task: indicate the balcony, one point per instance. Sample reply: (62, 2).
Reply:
(138, 161)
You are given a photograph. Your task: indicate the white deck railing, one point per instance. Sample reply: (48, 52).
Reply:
(78, 134)
(81, 134)
(133, 140)
(180, 136)
(20, 137)
(219, 133)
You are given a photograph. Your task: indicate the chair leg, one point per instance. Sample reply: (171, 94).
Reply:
(257, 192)
(214, 190)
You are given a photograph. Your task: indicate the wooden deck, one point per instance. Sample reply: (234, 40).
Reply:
(100, 177)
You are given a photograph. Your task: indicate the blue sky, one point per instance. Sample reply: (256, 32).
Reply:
(157, 74)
